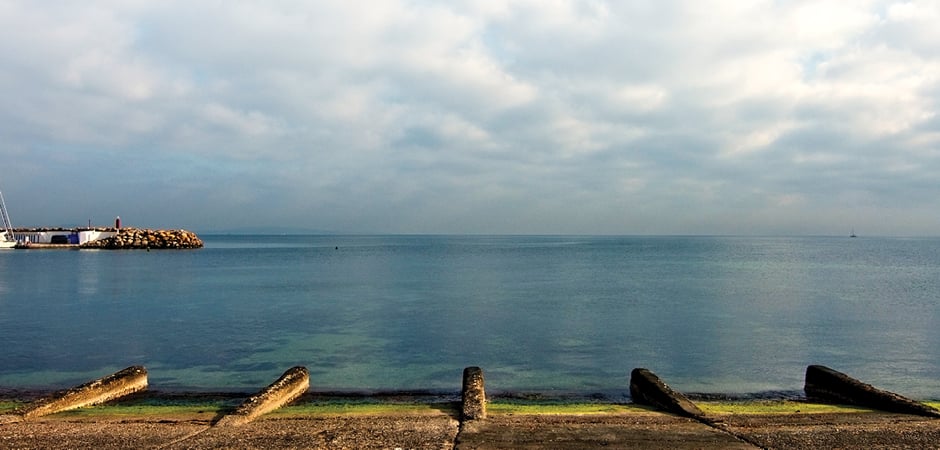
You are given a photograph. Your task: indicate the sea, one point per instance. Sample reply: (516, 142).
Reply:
(541, 315)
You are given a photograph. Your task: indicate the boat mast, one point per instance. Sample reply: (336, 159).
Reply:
(7, 229)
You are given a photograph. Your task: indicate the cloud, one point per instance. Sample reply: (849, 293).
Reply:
(566, 116)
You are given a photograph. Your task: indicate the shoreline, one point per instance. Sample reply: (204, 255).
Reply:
(521, 396)
(614, 396)
(823, 385)
(401, 423)
(317, 419)
(501, 403)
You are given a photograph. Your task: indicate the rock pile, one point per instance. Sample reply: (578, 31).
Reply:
(146, 239)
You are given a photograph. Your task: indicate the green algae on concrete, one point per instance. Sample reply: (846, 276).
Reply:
(143, 412)
(9, 406)
(152, 405)
(367, 409)
(559, 408)
(775, 407)
(155, 407)
(352, 407)
(208, 408)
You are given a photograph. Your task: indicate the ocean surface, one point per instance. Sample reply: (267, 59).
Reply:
(548, 314)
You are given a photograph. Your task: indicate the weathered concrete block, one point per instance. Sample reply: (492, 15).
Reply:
(825, 384)
(128, 381)
(473, 394)
(292, 384)
(647, 389)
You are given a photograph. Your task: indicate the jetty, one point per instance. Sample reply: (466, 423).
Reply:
(110, 238)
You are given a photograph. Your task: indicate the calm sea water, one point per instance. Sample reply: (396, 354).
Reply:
(552, 314)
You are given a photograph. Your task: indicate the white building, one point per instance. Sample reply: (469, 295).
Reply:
(74, 237)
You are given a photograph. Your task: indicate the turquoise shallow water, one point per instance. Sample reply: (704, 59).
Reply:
(736, 315)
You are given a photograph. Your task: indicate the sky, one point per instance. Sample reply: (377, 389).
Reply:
(758, 117)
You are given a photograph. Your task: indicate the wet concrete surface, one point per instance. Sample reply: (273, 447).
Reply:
(444, 431)
(649, 431)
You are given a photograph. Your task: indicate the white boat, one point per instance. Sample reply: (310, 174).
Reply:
(6, 228)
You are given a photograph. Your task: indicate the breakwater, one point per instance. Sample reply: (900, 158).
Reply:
(138, 238)
(105, 238)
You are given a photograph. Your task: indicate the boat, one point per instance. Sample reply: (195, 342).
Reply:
(6, 228)
(853, 233)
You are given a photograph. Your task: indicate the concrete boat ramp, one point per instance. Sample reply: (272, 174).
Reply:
(661, 418)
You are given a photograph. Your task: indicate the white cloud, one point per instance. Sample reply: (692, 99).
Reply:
(240, 123)
(827, 24)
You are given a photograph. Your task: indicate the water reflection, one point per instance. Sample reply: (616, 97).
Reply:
(88, 270)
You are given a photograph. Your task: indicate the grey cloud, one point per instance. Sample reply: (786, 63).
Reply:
(504, 117)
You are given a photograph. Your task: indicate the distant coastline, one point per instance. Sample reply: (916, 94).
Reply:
(272, 231)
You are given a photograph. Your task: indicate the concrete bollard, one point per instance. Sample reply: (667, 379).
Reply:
(287, 388)
(647, 389)
(473, 394)
(823, 383)
(128, 381)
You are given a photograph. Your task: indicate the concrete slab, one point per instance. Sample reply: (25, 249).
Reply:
(836, 430)
(648, 431)
(269, 432)
(54, 434)
(440, 430)
(339, 432)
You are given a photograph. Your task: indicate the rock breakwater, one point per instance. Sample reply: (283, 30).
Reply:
(138, 238)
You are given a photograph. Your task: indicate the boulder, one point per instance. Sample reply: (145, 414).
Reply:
(137, 238)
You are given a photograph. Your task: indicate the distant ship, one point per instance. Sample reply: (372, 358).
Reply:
(6, 232)
(853, 233)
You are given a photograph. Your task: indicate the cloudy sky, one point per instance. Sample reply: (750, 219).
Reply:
(490, 116)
